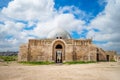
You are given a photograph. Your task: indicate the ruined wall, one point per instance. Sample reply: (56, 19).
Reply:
(117, 57)
(68, 52)
(73, 50)
(68, 49)
(80, 50)
(102, 54)
(84, 50)
(40, 50)
(111, 54)
(23, 53)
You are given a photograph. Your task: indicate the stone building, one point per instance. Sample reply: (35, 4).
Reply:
(60, 47)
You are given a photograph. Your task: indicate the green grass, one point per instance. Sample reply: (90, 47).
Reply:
(37, 63)
(47, 62)
(79, 62)
(107, 61)
(8, 58)
(112, 61)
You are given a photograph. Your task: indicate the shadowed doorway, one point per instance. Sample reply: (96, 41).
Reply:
(107, 57)
(97, 57)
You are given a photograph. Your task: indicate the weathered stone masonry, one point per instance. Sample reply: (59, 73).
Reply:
(62, 48)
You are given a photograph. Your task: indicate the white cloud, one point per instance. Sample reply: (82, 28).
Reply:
(108, 23)
(73, 10)
(42, 15)
(30, 9)
(66, 21)
(38, 13)
(10, 35)
(10, 27)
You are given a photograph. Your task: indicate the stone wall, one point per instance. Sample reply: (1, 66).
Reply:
(68, 52)
(72, 50)
(40, 50)
(23, 53)
(111, 54)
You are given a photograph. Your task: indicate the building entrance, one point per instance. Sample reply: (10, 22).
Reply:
(97, 57)
(107, 56)
(58, 53)
(58, 56)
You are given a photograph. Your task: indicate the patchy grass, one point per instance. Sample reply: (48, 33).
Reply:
(107, 61)
(37, 63)
(8, 58)
(112, 61)
(79, 62)
(47, 62)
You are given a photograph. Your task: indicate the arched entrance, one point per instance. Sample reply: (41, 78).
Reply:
(58, 54)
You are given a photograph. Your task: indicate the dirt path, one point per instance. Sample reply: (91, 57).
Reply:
(94, 71)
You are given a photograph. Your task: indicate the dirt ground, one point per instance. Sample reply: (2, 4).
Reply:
(92, 71)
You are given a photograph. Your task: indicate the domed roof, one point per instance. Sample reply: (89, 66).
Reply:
(59, 33)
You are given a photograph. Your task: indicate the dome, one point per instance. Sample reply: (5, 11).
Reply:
(59, 33)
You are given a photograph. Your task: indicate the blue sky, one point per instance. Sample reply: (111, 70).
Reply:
(89, 6)
(21, 20)
(4, 3)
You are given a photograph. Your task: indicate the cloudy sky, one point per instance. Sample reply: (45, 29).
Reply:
(21, 20)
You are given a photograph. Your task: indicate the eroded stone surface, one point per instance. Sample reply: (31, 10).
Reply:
(60, 47)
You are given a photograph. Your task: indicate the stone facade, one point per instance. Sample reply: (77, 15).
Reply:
(63, 50)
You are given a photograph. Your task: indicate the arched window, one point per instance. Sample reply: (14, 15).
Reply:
(58, 46)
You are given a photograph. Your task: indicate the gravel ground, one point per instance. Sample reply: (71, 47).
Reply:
(92, 71)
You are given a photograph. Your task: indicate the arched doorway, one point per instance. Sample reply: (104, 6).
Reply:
(58, 54)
